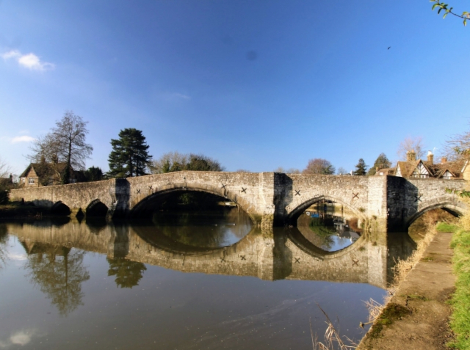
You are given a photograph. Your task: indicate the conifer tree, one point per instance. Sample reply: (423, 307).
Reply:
(361, 168)
(381, 162)
(129, 156)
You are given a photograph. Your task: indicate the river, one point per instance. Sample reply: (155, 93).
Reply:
(184, 281)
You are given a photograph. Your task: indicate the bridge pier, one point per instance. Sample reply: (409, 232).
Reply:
(77, 213)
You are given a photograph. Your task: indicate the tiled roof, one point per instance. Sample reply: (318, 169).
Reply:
(41, 169)
(435, 170)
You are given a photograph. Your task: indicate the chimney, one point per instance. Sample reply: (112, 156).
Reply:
(443, 160)
(411, 156)
(430, 157)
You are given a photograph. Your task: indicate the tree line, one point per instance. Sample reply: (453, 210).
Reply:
(66, 145)
(64, 150)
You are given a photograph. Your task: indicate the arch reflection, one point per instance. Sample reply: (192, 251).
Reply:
(271, 255)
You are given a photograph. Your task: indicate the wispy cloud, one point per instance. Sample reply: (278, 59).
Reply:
(23, 138)
(178, 95)
(30, 60)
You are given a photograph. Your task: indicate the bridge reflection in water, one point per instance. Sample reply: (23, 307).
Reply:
(267, 254)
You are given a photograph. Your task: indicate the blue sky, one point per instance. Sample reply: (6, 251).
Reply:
(253, 84)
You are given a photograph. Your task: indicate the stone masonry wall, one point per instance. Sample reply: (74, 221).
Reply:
(383, 202)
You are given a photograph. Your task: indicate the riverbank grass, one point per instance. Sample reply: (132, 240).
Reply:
(460, 322)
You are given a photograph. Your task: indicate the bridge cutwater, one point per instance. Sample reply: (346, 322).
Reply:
(383, 203)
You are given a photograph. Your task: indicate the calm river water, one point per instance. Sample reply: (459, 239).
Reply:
(184, 281)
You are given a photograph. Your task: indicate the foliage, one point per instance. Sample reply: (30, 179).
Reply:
(5, 183)
(202, 163)
(446, 227)
(174, 161)
(129, 156)
(64, 144)
(319, 166)
(381, 162)
(460, 193)
(128, 273)
(342, 171)
(361, 168)
(445, 7)
(93, 174)
(461, 299)
(409, 144)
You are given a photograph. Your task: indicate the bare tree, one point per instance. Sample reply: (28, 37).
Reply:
(171, 161)
(319, 166)
(342, 171)
(174, 161)
(458, 147)
(4, 169)
(411, 144)
(287, 171)
(65, 143)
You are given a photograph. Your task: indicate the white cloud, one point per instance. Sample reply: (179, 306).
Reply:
(30, 60)
(24, 138)
(11, 54)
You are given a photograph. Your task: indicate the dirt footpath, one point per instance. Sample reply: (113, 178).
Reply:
(417, 316)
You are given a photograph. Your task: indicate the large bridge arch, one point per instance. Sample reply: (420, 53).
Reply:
(139, 206)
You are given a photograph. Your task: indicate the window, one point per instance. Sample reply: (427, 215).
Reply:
(31, 180)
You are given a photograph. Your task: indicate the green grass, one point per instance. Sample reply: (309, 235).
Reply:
(460, 321)
(446, 227)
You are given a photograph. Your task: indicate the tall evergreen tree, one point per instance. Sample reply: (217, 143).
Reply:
(129, 156)
(361, 168)
(381, 162)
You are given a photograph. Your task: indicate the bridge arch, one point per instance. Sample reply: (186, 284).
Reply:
(61, 209)
(96, 208)
(139, 206)
(294, 213)
(456, 208)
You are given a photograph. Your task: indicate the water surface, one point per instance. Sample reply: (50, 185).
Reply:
(103, 286)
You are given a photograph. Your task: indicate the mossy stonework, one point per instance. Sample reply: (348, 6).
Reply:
(382, 203)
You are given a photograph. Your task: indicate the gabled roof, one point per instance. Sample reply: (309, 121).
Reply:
(435, 170)
(407, 168)
(41, 169)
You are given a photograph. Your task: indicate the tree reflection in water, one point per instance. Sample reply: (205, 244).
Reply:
(59, 273)
(3, 243)
(128, 273)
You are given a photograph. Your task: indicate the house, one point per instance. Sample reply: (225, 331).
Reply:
(6, 182)
(414, 168)
(44, 174)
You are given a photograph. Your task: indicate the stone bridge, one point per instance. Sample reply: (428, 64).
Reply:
(271, 255)
(384, 203)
